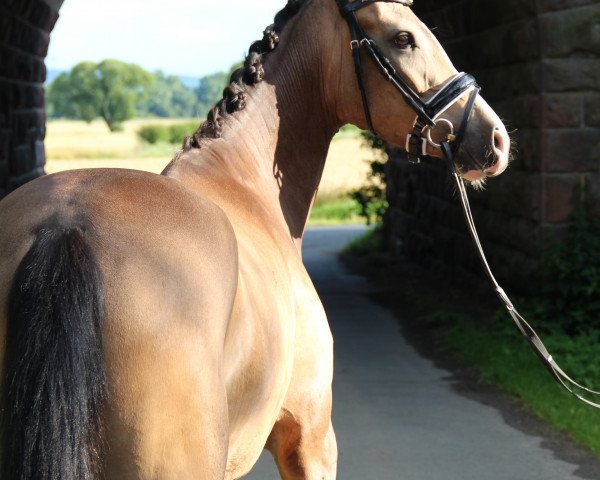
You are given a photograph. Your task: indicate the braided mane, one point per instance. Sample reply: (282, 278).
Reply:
(252, 72)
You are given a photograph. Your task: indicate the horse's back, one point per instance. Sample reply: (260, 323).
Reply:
(168, 265)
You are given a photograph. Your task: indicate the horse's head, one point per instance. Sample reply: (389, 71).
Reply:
(417, 100)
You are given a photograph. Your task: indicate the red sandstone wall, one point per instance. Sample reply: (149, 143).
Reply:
(539, 65)
(24, 39)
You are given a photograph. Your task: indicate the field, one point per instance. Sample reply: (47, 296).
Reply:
(73, 144)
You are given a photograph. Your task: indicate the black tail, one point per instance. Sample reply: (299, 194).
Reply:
(54, 380)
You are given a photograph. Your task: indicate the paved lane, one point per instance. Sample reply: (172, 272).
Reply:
(397, 416)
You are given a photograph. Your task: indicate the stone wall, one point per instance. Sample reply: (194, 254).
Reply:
(538, 62)
(25, 27)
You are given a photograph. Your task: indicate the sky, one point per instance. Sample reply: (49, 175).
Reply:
(181, 37)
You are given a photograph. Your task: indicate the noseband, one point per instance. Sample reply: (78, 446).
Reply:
(428, 111)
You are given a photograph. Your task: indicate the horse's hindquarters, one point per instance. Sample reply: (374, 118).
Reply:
(168, 264)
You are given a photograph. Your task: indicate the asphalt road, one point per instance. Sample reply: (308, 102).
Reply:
(399, 417)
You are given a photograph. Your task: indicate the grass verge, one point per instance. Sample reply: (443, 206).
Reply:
(335, 210)
(502, 358)
(488, 342)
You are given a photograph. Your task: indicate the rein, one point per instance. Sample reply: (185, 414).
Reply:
(528, 332)
(427, 118)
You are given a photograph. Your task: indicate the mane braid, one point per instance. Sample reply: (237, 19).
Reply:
(252, 72)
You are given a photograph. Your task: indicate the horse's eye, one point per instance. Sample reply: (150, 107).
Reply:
(403, 40)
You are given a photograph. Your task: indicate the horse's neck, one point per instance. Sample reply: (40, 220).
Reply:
(276, 148)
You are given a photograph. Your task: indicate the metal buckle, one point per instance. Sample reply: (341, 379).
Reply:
(450, 137)
(354, 44)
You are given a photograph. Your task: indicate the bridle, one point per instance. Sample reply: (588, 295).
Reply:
(427, 118)
(427, 111)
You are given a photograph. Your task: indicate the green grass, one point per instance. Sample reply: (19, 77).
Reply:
(502, 357)
(337, 210)
(368, 246)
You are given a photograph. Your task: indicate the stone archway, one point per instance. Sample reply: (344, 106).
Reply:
(25, 27)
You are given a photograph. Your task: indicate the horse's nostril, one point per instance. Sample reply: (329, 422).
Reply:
(500, 142)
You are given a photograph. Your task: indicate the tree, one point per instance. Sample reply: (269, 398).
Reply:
(73, 94)
(170, 98)
(112, 90)
(210, 90)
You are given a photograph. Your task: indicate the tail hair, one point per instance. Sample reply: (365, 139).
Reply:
(54, 382)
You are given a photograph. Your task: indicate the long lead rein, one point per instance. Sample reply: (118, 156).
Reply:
(527, 330)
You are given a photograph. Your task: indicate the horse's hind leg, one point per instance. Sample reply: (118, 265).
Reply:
(168, 419)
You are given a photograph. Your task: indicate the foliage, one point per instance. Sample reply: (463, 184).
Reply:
(210, 90)
(154, 134)
(159, 133)
(334, 211)
(111, 89)
(371, 196)
(178, 131)
(170, 98)
(73, 95)
(367, 244)
(574, 265)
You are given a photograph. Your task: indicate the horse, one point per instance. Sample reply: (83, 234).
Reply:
(164, 326)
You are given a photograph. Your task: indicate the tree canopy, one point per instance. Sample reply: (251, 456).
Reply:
(116, 91)
(170, 98)
(112, 90)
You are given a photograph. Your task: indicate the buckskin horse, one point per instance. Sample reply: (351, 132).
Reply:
(164, 326)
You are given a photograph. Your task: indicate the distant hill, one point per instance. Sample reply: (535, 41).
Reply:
(189, 82)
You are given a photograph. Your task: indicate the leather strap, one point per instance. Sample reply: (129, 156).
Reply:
(536, 344)
(426, 111)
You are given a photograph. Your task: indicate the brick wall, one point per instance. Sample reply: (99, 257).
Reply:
(25, 27)
(538, 62)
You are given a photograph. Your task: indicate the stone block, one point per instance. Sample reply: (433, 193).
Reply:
(571, 150)
(25, 95)
(29, 39)
(572, 32)
(5, 147)
(509, 81)
(514, 193)
(560, 193)
(526, 148)
(22, 161)
(42, 15)
(28, 126)
(591, 106)
(521, 112)
(6, 96)
(6, 26)
(571, 74)
(562, 110)
(488, 48)
(553, 5)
